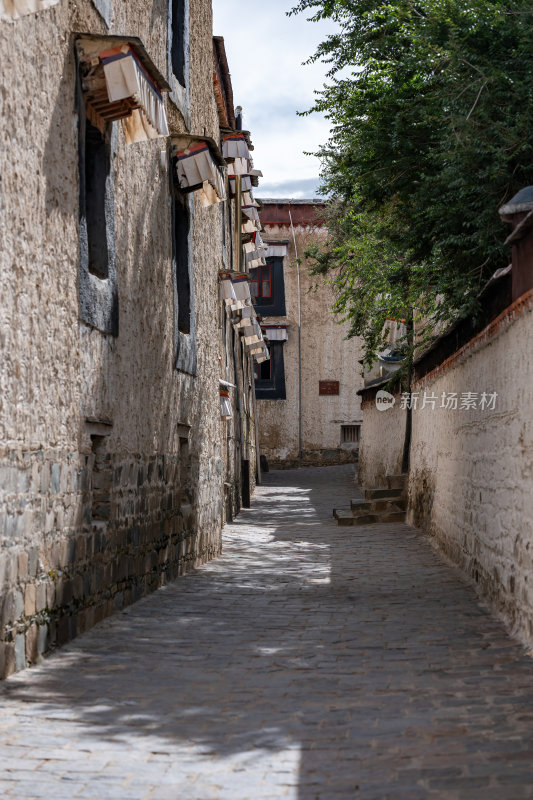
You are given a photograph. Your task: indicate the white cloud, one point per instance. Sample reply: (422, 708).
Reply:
(265, 50)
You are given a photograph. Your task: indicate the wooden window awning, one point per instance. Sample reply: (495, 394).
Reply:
(120, 82)
(250, 226)
(236, 151)
(254, 254)
(226, 291)
(248, 199)
(197, 171)
(246, 184)
(251, 212)
(12, 10)
(242, 290)
(261, 354)
(235, 146)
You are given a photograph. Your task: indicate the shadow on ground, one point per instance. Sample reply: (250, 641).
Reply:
(310, 662)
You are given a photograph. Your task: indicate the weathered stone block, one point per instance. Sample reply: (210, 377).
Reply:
(12, 607)
(33, 561)
(50, 595)
(40, 597)
(43, 639)
(54, 479)
(29, 599)
(7, 659)
(44, 483)
(32, 643)
(20, 651)
(80, 548)
(22, 566)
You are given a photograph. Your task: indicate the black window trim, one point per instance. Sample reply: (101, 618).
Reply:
(98, 296)
(185, 353)
(273, 389)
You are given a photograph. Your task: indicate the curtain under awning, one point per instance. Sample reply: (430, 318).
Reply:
(251, 212)
(276, 249)
(246, 184)
(262, 354)
(126, 78)
(242, 289)
(239, 166)
(197, 171)
(248, 200)
(275, 334)
(226, 291)
(235, 146)
(250, 226)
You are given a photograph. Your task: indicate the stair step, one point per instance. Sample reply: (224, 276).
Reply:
(396, 481)
(344, 518)
(395, 516)
(360, 505)
(383, 494)
(366, 519)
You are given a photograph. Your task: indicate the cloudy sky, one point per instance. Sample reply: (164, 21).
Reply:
(265, 52)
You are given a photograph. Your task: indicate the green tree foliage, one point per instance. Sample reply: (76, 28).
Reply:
(431, 107)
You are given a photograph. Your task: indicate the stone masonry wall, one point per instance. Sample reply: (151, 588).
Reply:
(111, 472)
(471, 470)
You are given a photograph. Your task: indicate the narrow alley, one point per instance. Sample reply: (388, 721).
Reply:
(309, 662)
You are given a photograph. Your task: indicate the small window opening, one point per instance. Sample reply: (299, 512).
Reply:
(97, 164)
(350, 434)
(181, 259)
(177, 49)
(263, 371)
(261, 282)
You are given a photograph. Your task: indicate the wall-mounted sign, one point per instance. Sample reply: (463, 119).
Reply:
(328, 387)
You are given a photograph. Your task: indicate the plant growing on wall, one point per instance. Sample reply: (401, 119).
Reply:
(430, 104)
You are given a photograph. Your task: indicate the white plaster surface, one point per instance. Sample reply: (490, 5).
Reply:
(470, 483)
(326, 355)
(382, 440)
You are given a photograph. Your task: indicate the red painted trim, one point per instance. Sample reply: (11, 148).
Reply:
(503, 321)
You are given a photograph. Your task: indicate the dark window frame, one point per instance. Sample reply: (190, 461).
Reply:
(274, 388)
(350, 433)
(98, 286)
(274, 305)
(178, 40)
(182, 207)
(97, 166)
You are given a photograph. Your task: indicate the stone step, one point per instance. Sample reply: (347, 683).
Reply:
(343, 518)
(366, 519)
(395, 516)
(360, 505)
(383, 494)
(346, 517)
(383, 506)
(397, 481)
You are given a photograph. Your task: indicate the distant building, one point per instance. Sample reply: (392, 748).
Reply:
(308, 409)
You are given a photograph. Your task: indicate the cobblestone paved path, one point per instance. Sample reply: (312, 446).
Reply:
(310, 662)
